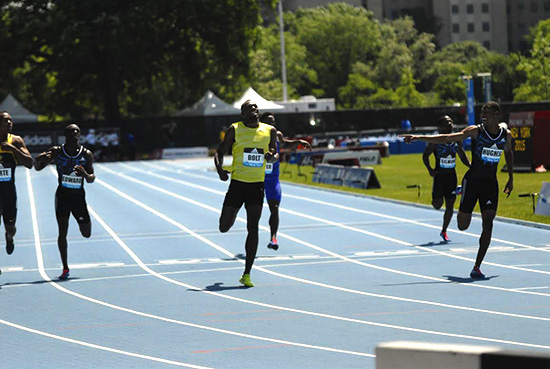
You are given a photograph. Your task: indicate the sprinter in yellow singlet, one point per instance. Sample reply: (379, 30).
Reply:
(252, 144)
(13, 152)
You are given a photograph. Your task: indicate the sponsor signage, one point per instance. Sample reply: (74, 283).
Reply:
(184, 152)
(365, 157)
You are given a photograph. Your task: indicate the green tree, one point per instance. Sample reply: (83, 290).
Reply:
(110, 56)
(536, 67)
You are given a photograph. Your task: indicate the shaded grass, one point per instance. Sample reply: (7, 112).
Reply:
(399, 171)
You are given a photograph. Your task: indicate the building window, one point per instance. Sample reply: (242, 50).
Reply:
(485, 8)
(521, 26)
(486, 27)
(470, 8)
(534, 6)
(471, 28)
(487, 45)
(456, 28)
(547, 5)
(454, 9)
(521, 6)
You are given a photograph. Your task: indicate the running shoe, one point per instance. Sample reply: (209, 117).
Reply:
(245, 279)
(65, 275)
(458, 191)
(273, 245)
(9, 244)
(445, 237)
(476, 273)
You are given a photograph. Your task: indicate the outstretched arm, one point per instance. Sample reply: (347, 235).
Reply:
(470, 131)
(46, 158)
(292, 144)
(462, 155)
(509, 156)
(223, 148)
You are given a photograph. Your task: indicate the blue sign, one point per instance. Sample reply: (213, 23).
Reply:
(471, 101)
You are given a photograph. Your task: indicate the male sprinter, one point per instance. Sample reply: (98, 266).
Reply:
(489, 140)
(74, 164)
(272, 183)
(252, 144)
(444, 174)
(12, 152)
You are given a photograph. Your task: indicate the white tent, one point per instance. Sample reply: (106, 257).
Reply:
(16, 110)
(209, 104)
(262, 103)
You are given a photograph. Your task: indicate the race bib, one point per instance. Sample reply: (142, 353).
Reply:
(253, 157)
(490, 155)
(71, 181)
(447, 163)
(5, 175)
(268, 168)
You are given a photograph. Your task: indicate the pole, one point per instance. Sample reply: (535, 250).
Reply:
(283, 59)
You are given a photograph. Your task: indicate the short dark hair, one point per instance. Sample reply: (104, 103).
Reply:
(265, 115)
(493, 105)
(67, 129)
(247, 102)
(442, 119)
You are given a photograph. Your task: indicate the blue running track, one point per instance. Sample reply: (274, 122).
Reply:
(156, 285)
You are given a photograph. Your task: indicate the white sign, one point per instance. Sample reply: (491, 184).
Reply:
(365, 157)
(543, 205)
(184, 152)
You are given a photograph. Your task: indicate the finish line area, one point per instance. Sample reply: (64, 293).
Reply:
(157, 284)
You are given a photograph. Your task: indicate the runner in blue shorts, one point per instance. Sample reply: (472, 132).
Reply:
(272, 184)
(490, 140)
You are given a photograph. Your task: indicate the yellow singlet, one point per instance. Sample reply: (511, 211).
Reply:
(7, 163)
(248, 151)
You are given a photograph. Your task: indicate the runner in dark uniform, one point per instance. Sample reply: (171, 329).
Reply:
(273, 192)
(489, 140)
(12, 152)
(74, 164)
(444, 173)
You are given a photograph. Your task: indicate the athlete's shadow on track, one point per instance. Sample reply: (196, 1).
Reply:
(35, 282)
(439, 243)
(469, 279)
(216, 287)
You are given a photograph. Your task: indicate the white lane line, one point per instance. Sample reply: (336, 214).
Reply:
(99, 347)
(307, 244)
(150, 271)
(136, 258)
(525, 265)
(532, 288)
(354, 229)
(210, 243)
(40, 262)
(395, 218)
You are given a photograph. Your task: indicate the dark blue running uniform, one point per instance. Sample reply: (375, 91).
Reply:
(444, 183)
(480, 182)
(70, 195)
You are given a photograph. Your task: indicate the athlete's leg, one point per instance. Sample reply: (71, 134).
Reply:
(274, 217)
(253, 214)
(487, 217)
(463, 220)
(85, 229)
(448, 215)
(227, 218)
(437, 203)
(63, 226)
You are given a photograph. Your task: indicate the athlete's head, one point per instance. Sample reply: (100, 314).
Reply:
(249, 111)
(445, 124)
(490, 111)
(6, 124)
(72, 133)
(268, 118)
